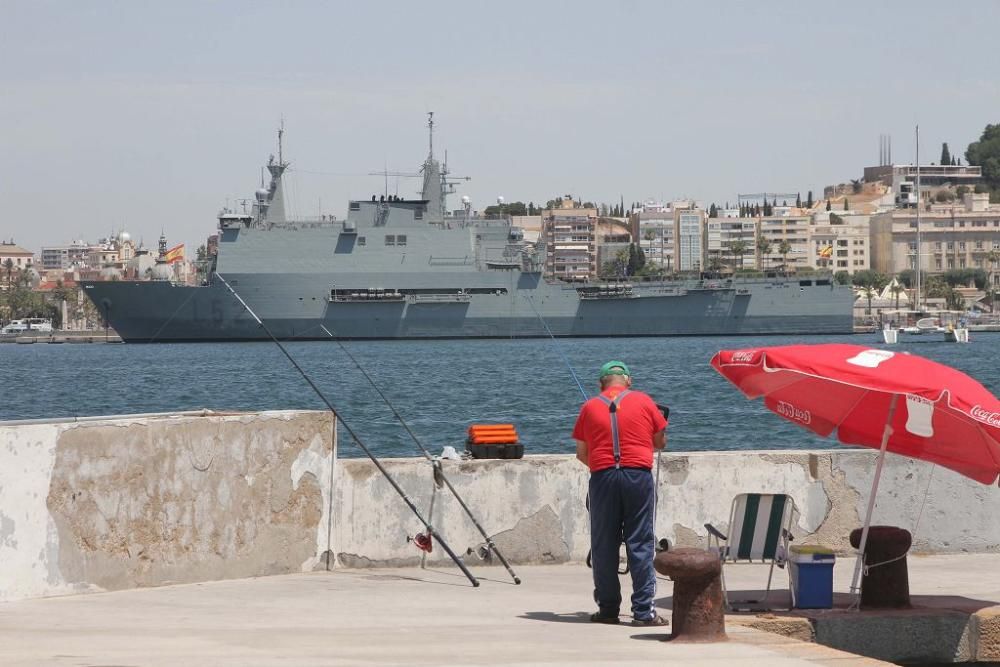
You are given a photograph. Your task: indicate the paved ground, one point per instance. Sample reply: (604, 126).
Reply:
(409, 616)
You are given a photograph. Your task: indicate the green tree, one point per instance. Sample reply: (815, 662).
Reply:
(828, 207)
(738, 248)
(869, 292)
(857, 185)
(9, 267)
(869, 278)
(985, 153)
(809, 199)
(847, 206)
(944, 196)
(713, 212)
(961, 190)
(842, 278)
(798, 200)
(764, 248)
(896, 290)
(784, 247)
(945, 154)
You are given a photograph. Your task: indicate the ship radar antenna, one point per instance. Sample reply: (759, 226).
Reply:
(430, 130)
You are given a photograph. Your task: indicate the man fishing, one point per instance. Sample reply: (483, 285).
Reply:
(616, 433)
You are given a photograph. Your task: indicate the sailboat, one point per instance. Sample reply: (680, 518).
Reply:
(948, 324)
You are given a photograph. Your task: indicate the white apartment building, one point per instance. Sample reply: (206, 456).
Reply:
(839, 242)
(792, 229)
(570, 242)
(721, 233)
(657, 237)
(690, 247)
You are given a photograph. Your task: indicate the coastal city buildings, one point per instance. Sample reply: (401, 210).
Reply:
(952, 236)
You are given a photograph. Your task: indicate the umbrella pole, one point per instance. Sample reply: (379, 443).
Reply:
(855, 581)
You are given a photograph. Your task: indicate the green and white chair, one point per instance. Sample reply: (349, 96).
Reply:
(760, 528)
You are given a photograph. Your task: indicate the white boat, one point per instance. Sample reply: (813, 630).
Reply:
(951, 331)
(28, 324)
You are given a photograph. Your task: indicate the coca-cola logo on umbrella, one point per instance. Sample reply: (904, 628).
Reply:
(991, 418)
(789, 411)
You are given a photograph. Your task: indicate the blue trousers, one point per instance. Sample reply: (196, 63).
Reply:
(621, 503)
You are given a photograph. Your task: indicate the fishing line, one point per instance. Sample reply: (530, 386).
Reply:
(378, 464)
(439, 472)
(558, 348)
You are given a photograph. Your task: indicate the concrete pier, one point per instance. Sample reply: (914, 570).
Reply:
(96, 505)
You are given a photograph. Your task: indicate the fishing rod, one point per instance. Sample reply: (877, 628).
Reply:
(438, 471)
(378, 464)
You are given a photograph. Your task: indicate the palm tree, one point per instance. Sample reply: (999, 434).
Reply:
(993, 257)
(783, 249)
(869, 292)
(764, 247)
(738, 248)
(896, 290)
(9, 266)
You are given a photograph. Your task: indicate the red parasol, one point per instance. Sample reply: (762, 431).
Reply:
(945, 416)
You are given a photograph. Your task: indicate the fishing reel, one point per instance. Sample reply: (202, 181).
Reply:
(422, 541)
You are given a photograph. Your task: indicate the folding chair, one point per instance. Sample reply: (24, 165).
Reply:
(760, 528)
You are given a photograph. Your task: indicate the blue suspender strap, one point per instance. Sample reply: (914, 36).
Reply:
(613, 409)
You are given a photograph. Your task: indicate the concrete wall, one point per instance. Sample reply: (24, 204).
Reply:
(145, 501)
(114, 503)
(535, 507)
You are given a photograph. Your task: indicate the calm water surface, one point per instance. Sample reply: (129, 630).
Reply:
(439, 387)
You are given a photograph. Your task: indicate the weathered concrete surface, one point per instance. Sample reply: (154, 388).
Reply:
(953, 618)
(105, 505)
(389, 617)
(535, 506)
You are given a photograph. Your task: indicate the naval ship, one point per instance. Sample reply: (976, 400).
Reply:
(409, 268)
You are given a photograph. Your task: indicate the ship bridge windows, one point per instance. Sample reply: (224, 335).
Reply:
(355, 206)
(362, 240)
(400, 239)
(390, 239)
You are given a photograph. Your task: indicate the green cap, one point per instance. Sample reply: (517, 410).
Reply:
(614, 368)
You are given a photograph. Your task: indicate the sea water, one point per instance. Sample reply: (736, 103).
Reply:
(438, 387)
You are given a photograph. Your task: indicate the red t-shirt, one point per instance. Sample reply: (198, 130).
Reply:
(638, 421)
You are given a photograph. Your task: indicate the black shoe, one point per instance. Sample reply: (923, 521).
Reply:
(657, 620)
(607, 619)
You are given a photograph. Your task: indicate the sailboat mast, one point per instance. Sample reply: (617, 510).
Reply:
(917, 295)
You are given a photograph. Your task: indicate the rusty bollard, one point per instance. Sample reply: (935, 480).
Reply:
(698, 609)
(886, 586)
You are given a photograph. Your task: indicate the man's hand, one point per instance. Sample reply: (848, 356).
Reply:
(582, 452)
(660, 440)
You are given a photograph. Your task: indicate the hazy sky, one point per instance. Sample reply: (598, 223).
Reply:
(149, 115)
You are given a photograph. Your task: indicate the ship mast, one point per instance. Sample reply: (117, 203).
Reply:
(430, 132)
(916, 299)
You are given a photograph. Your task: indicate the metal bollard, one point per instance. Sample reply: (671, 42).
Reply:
(886, 586)
(698, 608)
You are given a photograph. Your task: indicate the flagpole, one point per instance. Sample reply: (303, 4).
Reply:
(887, 431)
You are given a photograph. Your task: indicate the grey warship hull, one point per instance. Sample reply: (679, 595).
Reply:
(409, 269)
(162, 312)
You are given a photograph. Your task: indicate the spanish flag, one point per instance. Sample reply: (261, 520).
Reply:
(826, 252)
(175, 254)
